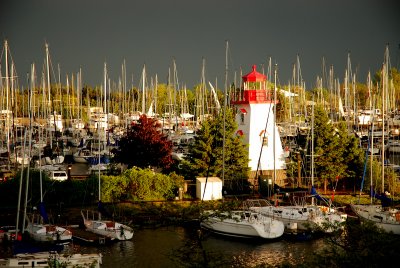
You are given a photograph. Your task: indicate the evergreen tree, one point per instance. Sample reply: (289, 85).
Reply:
(205, 155)
(337, 153)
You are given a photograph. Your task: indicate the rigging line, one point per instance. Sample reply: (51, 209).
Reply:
(370, 140)
(365, 166)
(210, 161)
(265, 131)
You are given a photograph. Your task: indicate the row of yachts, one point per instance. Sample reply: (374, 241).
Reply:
(258, 218)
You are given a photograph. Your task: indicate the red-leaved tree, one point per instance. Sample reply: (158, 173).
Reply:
(144, 145)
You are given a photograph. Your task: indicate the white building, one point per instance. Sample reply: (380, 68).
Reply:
(208, 188)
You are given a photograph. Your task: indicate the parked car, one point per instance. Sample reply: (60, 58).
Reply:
(58, 175)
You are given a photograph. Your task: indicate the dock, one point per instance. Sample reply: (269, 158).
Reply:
(80, 235)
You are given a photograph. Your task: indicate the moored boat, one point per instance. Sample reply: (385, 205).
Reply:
(300, 218)
(242, 223)
(107, 228)
(52, 259)
(388, 219)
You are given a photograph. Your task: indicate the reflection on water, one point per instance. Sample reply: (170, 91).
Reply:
(148, 248)
(252, 253)
(177, 246)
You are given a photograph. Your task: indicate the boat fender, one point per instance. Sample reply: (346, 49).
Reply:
(251, 219)
(324, 209)
(398, 216)
(312, 215)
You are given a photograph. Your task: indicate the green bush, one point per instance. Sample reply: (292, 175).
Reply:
(140, 184)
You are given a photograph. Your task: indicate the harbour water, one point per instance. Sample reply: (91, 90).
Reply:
(180, 247)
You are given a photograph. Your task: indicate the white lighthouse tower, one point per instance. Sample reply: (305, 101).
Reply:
(256, 123)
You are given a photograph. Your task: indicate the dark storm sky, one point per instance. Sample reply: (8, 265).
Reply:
(86, 33)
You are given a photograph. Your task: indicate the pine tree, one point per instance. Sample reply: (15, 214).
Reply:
(337, 153)
(205, 155)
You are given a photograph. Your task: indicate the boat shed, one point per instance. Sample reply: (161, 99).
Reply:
(208, 188)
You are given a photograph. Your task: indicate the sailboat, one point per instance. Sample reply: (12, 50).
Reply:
(299, 217)
(107, 228)
(113, 230)
(41, 230)
(53, 259)
(384, 216)
(242, 223)
(38, 227)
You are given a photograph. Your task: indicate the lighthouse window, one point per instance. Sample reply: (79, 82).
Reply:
(242, 119)
(265, 141)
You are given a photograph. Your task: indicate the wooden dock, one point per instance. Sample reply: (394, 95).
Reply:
(80, 235)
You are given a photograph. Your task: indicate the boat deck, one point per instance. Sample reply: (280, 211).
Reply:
(80, 235)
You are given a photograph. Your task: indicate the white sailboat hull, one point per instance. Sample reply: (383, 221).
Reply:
(387, 219)
(111, 229)
(243, 224)
(301, 218)
(49, 233)
(42, 259)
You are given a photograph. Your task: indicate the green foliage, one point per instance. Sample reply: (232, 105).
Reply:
(205, 154)
(361, 245)
(133, 184)
(337, 154)
(139, 184)
(54, 192)
(114, 188)
(375, 177)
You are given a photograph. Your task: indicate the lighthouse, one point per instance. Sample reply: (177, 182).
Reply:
(254, 106)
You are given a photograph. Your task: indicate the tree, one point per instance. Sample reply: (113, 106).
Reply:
(144, 145)
(205, 155)
(337, 153)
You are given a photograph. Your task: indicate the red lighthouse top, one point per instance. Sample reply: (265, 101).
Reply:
(254, 89)
(254, 76)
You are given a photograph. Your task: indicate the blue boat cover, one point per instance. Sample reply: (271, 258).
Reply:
(43, 213)
(385, 201)
(316, 195)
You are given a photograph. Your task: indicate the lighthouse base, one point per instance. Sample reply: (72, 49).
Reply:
(268, 176)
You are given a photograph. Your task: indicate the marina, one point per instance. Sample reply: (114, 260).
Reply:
(208, 134)
(159, 248)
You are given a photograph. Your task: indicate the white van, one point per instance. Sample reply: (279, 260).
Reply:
(58, 175)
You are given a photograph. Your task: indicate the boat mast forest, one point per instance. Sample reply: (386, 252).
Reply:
(63, 107)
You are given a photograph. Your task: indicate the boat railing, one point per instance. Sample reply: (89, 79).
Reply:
(251, 203)
(299, 200)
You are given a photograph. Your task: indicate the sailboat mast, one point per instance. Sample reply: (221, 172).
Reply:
(383, 125)
(273, 132)
(312, 148)
(7, 100)
(48, 72)
(224, 113)
(143, 90)
(19, 196)
(155, 95)
(372, 145)
(26, 185)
